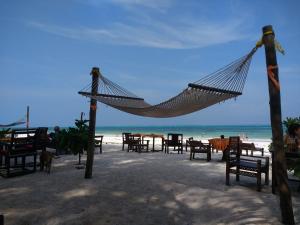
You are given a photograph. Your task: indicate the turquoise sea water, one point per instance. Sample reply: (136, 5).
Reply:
(252, 132)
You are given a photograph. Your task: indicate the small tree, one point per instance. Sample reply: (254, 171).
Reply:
(78, 138)
(75, 138)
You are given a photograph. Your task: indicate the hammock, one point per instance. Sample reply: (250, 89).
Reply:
(226, 83)
(12, 124)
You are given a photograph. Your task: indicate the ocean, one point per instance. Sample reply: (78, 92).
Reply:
(257, 132)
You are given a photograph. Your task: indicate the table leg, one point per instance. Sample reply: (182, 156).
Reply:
(153, 144)
(273, 175)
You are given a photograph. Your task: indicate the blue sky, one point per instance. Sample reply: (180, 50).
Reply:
(153, 48)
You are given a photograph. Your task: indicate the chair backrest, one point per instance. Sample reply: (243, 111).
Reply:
(175, 138)
(132, 137)
(22, 139)
(247, 146)
(195, 143)
(234, 148)
(98, 139)
(125, 136)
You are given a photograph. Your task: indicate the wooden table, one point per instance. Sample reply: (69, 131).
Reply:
(153, 136)
(220, 144)
(292, 155)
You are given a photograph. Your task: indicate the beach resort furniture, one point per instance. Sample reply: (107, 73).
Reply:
(23, 145)
(98, 142)
(219, 144)
(137, 144)
(251, 166)
(175, 141)
(187, 143)
(251, 147)
(199, 147)
(125, 140)
(155, 136)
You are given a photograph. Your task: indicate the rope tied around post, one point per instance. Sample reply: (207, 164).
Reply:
(270, 68)
(271, 76)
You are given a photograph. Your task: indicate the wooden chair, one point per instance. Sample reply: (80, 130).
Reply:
(22, 145)
(175, 141)
(251, 147)
(98, 142)
(187, 143)
(252, 166)
(125, 140)
(137, 144)
(132, 142)
(199, 147)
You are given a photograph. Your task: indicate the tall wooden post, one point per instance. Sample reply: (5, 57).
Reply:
(276, 123)
(92, 124)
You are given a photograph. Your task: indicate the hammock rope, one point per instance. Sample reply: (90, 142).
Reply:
(219, 86)
(18, 122)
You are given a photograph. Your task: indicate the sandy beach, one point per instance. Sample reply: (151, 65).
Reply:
(135, 189)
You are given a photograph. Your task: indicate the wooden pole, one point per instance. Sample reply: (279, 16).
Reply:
(92, 124)
(27, 117)
(276, 123)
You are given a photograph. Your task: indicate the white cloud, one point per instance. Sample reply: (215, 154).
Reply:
(154, 4)
(153, 33)
(159, 5)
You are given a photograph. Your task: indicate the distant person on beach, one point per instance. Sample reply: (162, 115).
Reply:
(292, 138)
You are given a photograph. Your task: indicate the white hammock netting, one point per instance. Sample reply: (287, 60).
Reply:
(226, 83)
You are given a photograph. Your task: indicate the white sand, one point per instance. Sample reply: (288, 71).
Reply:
(137, 189)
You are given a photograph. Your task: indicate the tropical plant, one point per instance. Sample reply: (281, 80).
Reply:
(75, 138)
(78, 138)
(292, 164)
(289, 122)
(4, 132)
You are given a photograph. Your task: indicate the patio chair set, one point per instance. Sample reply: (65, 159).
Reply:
(137, 142)
(134, 142)
(23, 144)
(236, 162)
(19, 149)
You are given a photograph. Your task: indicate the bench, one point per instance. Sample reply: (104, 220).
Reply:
(251, 166)
(251, 147)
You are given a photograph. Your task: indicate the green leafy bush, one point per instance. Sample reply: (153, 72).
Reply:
(4, 132)
(289, 122)
(75, 139)
(292, 164)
